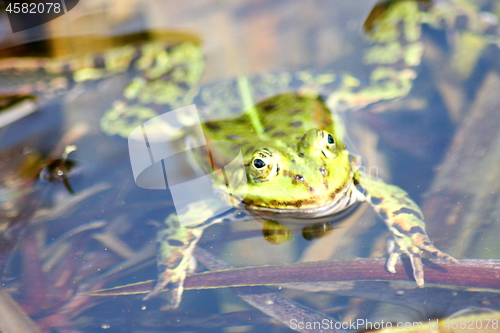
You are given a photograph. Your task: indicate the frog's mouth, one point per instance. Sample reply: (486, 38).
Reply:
(343, 201)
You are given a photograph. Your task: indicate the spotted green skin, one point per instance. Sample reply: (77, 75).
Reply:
(290, 128)
(305, 179)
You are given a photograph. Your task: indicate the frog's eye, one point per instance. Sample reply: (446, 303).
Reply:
(263, 166)
(328, 144)
(258, 163)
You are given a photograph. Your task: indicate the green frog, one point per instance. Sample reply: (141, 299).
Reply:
(297, 168)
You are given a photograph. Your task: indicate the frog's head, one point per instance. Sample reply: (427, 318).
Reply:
(308, 174)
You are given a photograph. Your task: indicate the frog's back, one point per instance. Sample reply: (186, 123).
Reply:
(282, 118)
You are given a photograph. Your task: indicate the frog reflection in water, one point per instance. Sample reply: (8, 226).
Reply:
(297, 168)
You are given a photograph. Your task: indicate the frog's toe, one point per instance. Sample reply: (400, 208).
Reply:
(418, 269)
(174, 297)
(394, 254)
(395, 250)
(156, 290)
(444, 256)
(391, 262)
(426, 245)
(450, 258)
(173, 294)
(172, 283)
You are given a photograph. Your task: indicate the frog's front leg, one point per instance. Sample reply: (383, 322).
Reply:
(404, 219)
(175, 250)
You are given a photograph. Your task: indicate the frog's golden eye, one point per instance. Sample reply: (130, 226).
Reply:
(263, 166)
(328, 144)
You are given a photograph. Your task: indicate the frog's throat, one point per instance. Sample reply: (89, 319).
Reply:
(343, 200)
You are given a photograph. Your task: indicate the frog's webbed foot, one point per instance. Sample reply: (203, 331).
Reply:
(404, 219)
(176, 244)
(175, 259)
(173, 279)
(416, 262)
(399, 245)
(176, 288)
